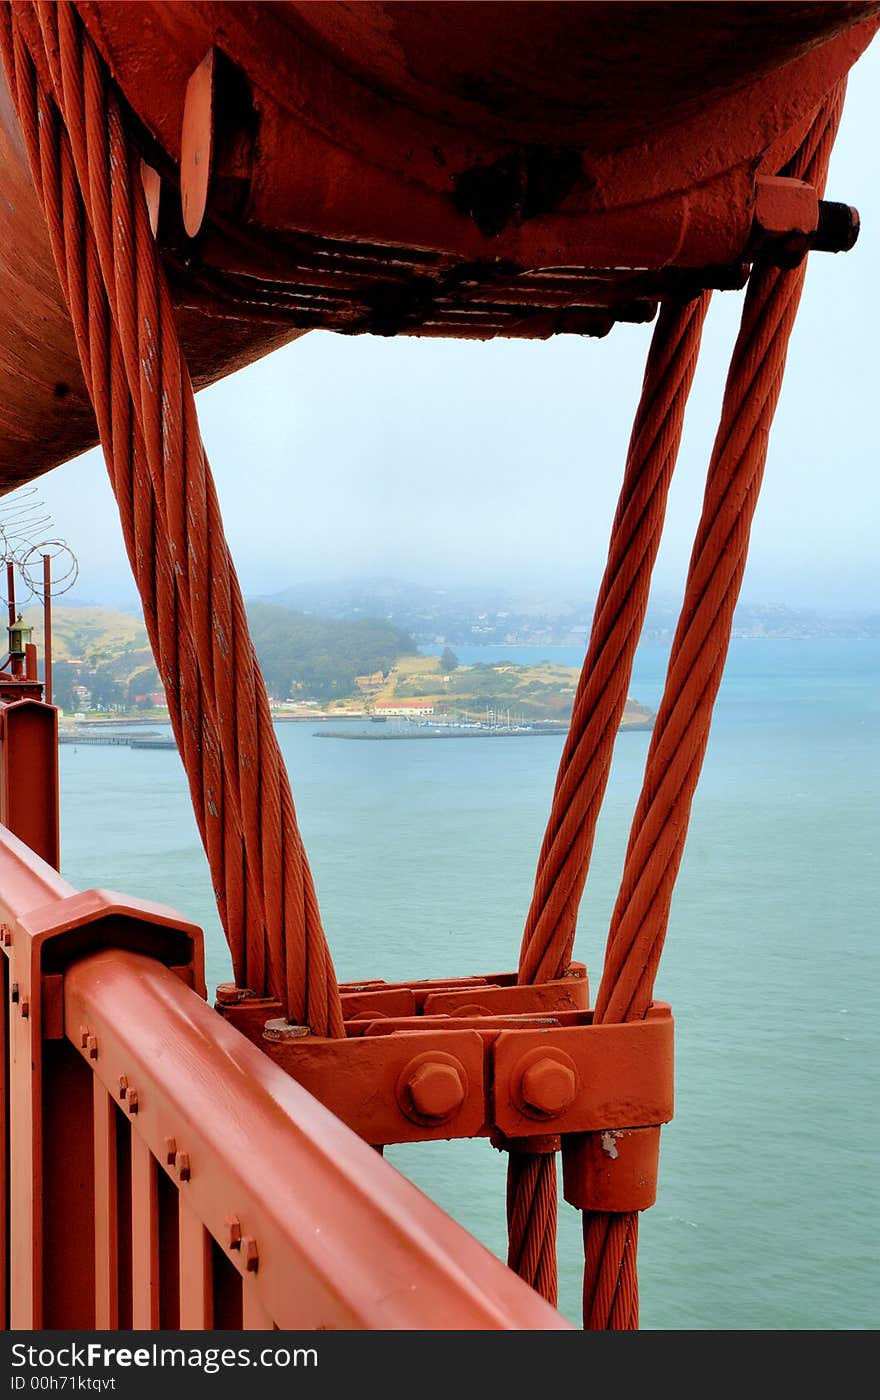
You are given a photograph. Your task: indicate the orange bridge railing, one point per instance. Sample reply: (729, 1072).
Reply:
(164, 1173)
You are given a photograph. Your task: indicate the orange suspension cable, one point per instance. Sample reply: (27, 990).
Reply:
(87, 173)
(596, 714)
(617, 623)
(696, 662)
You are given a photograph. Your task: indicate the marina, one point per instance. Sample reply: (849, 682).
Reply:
(541, 729)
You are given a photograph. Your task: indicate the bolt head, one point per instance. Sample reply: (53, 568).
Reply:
(233, 1232)
(123, 1085)
(548, 1086)
(131, 1100)
(170, 1151)
(181, 1161)
(436, 1090)
(250, 1254)
(93, 1047)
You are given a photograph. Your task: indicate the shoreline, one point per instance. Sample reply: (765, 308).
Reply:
(70, 727)
(539, 730)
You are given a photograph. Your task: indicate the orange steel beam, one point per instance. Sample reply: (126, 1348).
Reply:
(322, 1232)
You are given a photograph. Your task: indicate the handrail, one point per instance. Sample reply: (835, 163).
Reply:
(165, 1173)
(26, 881)
(324, 1233)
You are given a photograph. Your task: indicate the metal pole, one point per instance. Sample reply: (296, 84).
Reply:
(47, 629)
(15, 666)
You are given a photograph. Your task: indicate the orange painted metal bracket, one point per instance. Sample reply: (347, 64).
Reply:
(490, 995)
(486, 1057)
(584, 1078)
(612, 1170)
(570, 993)
(513, 1078)
(409, 1087)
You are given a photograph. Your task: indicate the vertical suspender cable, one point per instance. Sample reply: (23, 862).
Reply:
(596, 714)
(696, 662)
(87, 173)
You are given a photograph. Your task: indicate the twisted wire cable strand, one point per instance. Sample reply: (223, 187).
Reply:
(531, 1221)
(681, 731)
(148, 549)
(603, 685)
(87, 174)
(702, 637)
(598, 707)
(102, 364)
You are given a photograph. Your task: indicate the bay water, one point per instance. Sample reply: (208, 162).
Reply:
(424, 856)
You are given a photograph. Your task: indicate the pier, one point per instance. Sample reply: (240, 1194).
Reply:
(129, 741)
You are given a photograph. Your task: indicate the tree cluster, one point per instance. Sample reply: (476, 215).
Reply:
(317, 658)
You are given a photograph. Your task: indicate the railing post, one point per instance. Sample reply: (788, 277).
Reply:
(104, 1113)
(195, 1272)
(62, 1168)
(4, 1139)
(29, 775)
(144, 1237)
(66, 1201)
(25, 1156)
(254, 1317)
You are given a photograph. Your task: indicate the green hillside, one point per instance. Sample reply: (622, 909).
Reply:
(317, 658)
(90, 635)
(107, 654)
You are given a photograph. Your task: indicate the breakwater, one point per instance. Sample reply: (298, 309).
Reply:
(441, 734)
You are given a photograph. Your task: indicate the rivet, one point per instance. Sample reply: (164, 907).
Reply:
(25, 1008)
(182, 1164)
(131, 1100)
(83, 1037)
(170, 1151)
(123, 1085)
(233, 1232)
(251, 1254)
(13, 992)
(93, 1047)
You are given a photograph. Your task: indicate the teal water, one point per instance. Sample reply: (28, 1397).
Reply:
(424, 856)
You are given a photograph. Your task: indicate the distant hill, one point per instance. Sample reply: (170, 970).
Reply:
(90, 635)
(481, 615)
(103, 659)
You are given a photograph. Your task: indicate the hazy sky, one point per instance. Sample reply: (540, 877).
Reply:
(439, 461)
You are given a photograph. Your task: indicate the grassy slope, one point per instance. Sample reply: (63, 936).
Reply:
(91, 635)
(533, 692)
